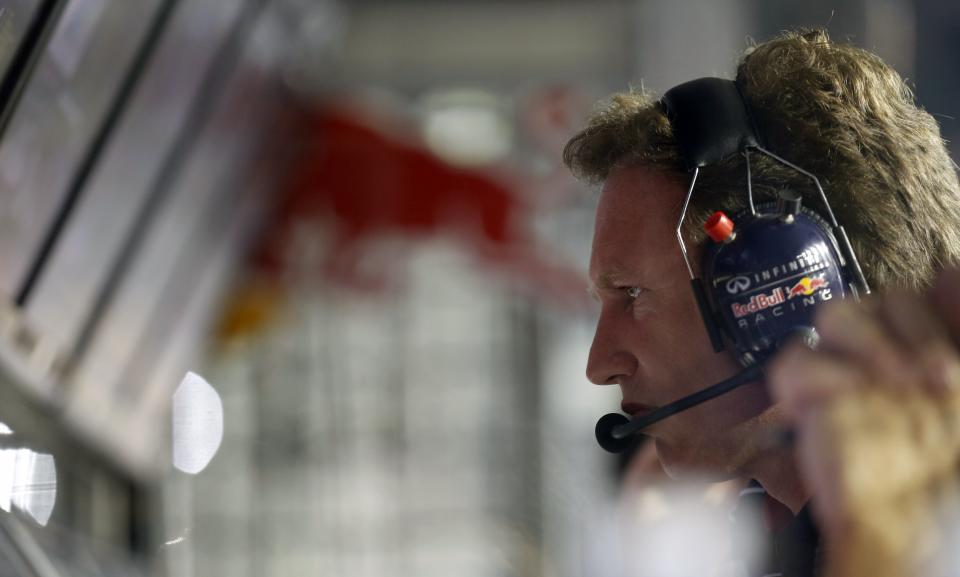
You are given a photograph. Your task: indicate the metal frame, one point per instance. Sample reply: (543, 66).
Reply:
(115, 112)
(25, 59)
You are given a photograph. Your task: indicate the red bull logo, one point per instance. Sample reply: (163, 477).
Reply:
(806, 287)
(759, 302)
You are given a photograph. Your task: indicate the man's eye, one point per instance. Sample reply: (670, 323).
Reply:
(633, 291)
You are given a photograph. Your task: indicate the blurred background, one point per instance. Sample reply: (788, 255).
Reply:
(297, 287)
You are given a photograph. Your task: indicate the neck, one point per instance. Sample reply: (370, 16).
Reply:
(777, 471)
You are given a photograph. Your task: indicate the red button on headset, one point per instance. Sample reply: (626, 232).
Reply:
(719, 227)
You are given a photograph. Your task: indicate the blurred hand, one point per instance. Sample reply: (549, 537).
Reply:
(877, 414)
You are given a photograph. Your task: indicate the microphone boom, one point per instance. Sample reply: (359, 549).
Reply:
(613, 430)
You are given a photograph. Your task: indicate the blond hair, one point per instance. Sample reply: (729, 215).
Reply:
(833, 109)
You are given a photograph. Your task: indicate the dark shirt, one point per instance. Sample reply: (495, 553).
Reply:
(790, 545)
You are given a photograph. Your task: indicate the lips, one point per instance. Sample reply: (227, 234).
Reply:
(634, 409)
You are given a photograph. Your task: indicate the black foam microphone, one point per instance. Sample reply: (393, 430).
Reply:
(614, 431)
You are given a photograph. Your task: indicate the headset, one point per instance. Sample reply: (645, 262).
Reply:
(765, 269)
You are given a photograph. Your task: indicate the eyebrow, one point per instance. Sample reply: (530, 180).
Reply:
(616, 276)
(612, 278)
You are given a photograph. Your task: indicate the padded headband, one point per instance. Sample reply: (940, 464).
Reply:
(710, 120)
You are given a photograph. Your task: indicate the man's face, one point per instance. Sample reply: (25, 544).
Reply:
(650, 339)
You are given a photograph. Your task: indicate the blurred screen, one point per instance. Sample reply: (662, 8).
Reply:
(187, 238)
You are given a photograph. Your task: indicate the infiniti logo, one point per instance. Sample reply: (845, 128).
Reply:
(738, 284)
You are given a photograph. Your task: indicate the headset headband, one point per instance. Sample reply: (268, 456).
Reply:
(710, 120)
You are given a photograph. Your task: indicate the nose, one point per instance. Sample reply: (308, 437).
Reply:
(610, 362)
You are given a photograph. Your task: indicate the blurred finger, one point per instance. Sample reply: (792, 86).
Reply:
(851, 330)
(924, 338)
(911, 319)
(822, 470)
(801, 379)
(944, 296)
